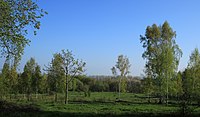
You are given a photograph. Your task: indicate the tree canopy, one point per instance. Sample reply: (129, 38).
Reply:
(162, 55)
(16, 18)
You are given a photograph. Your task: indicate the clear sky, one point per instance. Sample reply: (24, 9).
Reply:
(97, 31)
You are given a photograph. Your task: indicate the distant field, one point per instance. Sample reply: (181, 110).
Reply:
(98, 104)
(80, 97)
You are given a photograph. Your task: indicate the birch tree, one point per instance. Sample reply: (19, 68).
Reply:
(162, 55)
(122, 67)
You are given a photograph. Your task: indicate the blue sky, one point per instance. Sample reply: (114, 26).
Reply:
(97, 31)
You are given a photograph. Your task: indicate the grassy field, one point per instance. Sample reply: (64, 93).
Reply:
(98, 104)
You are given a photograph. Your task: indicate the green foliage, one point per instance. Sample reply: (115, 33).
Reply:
(99, 86)
(72, 68)
(13, 81)
(123, 85)
(176, 88)
(5, 74)
(162, 55)
(123, 66)
(191, 77)
(62, 71)
(8, 80)
(30, 80)
(56, 75)
(148, 87)
(15, 18)
(37, 79)
(43, 85)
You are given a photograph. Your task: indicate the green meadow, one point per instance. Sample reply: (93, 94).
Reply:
(98, 104)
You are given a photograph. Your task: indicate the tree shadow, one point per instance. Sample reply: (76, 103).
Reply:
(8, 109)
(68, 114)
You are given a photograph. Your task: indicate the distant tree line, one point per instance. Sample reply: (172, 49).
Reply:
(32, 81)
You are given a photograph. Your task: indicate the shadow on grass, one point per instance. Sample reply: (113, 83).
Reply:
(67, 114)
(8, 109)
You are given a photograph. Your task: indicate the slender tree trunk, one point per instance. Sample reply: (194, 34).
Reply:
(149, 101)
(193, 81)
(56, 92)
(74, 86)
(36, 93)
(56, 96)
(37, 88)
(160, 100)
(119, 86)
(160, 96)
(160, 88)
(167, 92)
(28, 94)
(66, 91)
(66, 94)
